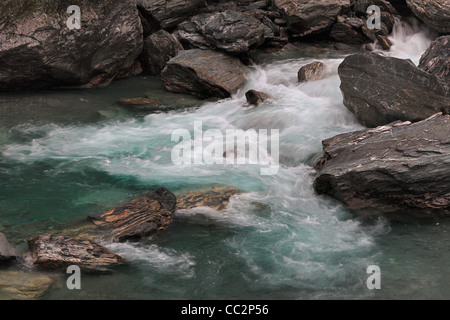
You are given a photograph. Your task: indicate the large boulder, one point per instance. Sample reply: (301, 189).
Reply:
(168, 13)
(139, 217)
(205, 73)
(436, 60)
(55, 252)
(7, 253)
(159, 48)
(380, 90)
(37, 48)
(435, 13)
(311, 16)
(401, 167)
(229, 31)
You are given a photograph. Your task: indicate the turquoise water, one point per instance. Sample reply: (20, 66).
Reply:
(82, 153)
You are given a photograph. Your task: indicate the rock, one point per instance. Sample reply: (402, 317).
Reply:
(401, 167)
(168, 13)
(20, 285)
(216, 198)
(205, 73)
(312, 72)
(384, 42)
(35, 39)
(436, 60)
(228, 31)
(7, 253)
(256, 97)
(310, 16)
(159, 48)
(435, 13)
(54, 252)
(345, 33)
(139, 103)
(138, 218)
(381, 90)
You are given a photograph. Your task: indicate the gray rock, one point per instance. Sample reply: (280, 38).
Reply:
(345, 33)
(310, 16)
(401, 167)
(205, 73)
(159, 48)
(312, 72)
(435, 13)
(168, 13)
(380, 90)
(37, 49)
(436, 60)
(7, 253)
(229, 31)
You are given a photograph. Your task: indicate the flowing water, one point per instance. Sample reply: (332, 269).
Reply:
(68, 154)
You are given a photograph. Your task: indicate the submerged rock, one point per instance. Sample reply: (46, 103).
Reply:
(436, 60)
(37, 48)
(255, 98)
(435, 13)
(7, 253)
(20, 285)
(312, 72)
(54, 252)
(138, 103)
(139, 217)
(216, 198)
(380, 90)
(398, 167)
(205, 73)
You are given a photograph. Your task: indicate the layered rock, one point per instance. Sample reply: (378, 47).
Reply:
(310, 16)
(205, 73)
(401, 167)
(380, 90)
(435, 13)
(436, 60)
(37, 49)
(7, 252)
(139, 217)
(55, 252)
(216, 198)
(159, 48)
(228, 31)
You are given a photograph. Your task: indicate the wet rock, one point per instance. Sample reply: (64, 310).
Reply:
(401, 167)
(20, 285)
(159, 48)
(205, 73)
(255, 98)
(312, 72)
(216, 198)
(229, 31)
(310, 16)
(435, 13)
(55, 252)
(35, 39)
(345, 33)
(436, 60)
(139, 217)
(384, 42)
(168, 13)
(7, 253)
(381, 90)
(138, 103)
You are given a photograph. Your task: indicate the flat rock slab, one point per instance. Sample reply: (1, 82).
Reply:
(216, 198)
(399, 167)
(205, 73)
(55, 252)
(139, 217)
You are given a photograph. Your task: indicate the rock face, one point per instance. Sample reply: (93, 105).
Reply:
(54, 252)
(168, 13)
(205, 73)
(312, 72)
(7, 253)
(380, 90)
(138, 218)
(436, 60)
(310, 16)
(435, 13)
(255, 98)
(228, 31)
(399, 167)
(159, 48)
(37, 49)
